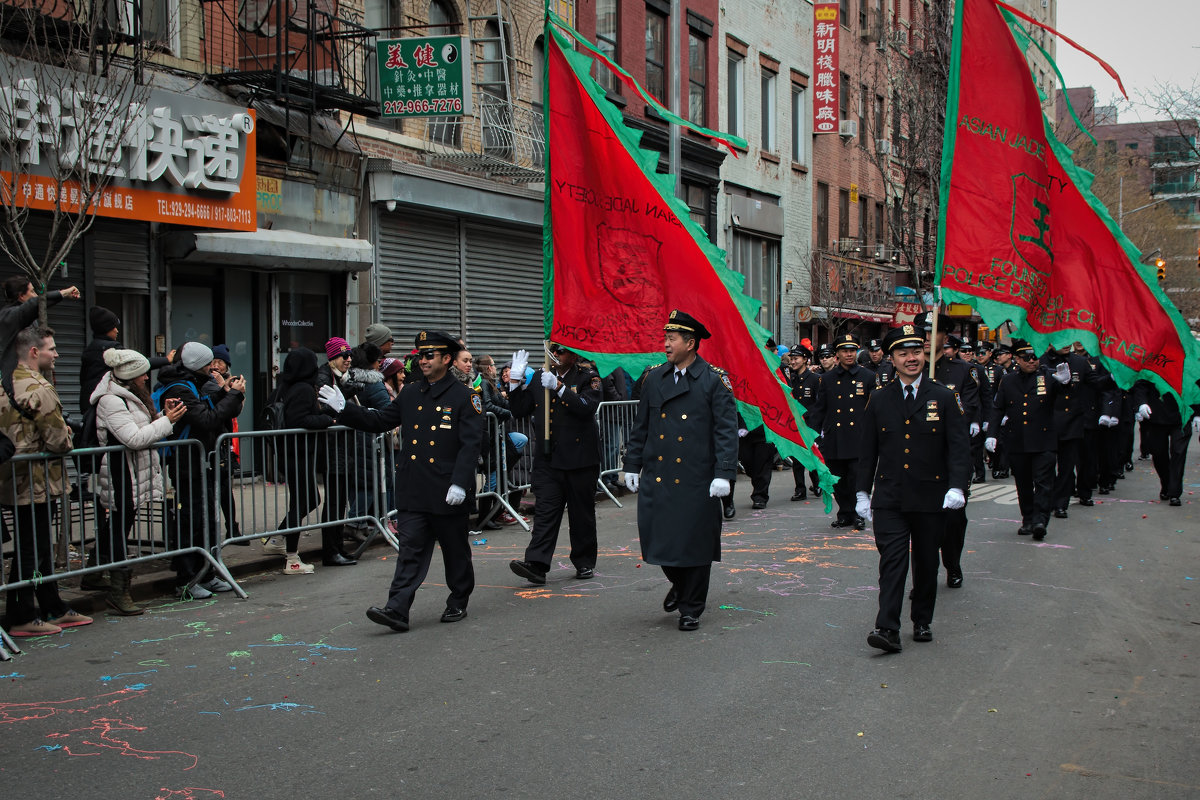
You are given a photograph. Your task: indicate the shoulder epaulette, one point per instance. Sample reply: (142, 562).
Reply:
(653, 367)
(716, 369)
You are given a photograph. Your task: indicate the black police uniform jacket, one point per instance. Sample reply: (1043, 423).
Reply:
(574, 435)
(911, 460)
(1028, 402)
(441, 428)
(961, 378)
(685, 435)
(804, 389)
(837, 414)
(1076, 402)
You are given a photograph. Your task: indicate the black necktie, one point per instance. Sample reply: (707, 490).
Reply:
(677, 374)
(910, 400)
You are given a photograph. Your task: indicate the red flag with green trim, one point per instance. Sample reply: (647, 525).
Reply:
(621, 252)
(1023, 238)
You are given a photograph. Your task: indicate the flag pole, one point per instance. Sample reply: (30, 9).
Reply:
(674, 55)
(546, 402)
(933, 330)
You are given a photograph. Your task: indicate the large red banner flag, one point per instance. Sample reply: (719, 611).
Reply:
(621, 252)
(1022, 237)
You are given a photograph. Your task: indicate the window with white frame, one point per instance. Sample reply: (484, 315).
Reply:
(767, 110)
(799, 124)
(735, 95)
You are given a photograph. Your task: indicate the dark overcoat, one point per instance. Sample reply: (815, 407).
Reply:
(685, 435)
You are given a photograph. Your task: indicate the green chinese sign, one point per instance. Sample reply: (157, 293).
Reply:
(424, 76)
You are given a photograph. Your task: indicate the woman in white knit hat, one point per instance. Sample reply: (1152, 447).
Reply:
(128, 480)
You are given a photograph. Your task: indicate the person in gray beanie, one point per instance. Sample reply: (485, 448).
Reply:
(204, 420)
(379, 335)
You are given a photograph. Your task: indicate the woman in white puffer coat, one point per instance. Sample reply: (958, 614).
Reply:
(131, 478)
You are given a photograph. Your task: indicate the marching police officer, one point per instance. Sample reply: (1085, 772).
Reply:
(1025, 401)
(804, 385)
(682, 452)
(565, 468)
(1002, 364)
(874, 360)
(441, 425)
(841, 398)
(1074, 412)
(915, 457)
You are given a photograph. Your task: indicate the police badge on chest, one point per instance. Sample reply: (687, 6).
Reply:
(1041, 384)
(931, 411)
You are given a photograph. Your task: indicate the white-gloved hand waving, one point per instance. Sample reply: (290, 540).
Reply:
(1062, 373)
(332, 396)
(718, 488)
(520, 360)
(631, 481)
(455, 496)
(862, 505)
(989, 444)
(549, 381)
(954, 499)
(974, 429)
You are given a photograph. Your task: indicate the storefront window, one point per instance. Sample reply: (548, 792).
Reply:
(304, 313)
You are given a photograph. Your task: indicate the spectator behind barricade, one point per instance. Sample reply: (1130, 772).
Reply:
(229, 461)
(19, 312)
(365, 361)
(31, 416)
(132, 478)
(204, 420)
(379, 335)
(335, 460)
(298, 391)
(462, 368)
(615, 388)
(493, 403)
(393, 380)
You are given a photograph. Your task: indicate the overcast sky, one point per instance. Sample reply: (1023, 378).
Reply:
(1146, 42)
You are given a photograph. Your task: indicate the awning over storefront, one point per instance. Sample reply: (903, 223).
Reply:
(855, 313)
(270, 251)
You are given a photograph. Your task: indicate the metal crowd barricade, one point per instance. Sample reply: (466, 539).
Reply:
(615, 421)
(518, 472)
(494, 470)
(304, 480)
(143, 524)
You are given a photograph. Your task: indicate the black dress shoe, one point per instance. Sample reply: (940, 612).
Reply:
(453, 614)
(527, 571)
(1024, 530)
(1105, 489)
(1162, 495)
(799, 494)
(921, 633)
(671, 601)
(1175, 501)
(886, 640)
(1038, 531)
(816, 490)
(837, 523)
(338, 560)
(758, 504)
(979, 479)
(954, 578)
(859, 523)
(1087, 502)
(385, 616)
(1129, 466)
(687, 623)
(1060, 513)
(585, 573)
(730, 511)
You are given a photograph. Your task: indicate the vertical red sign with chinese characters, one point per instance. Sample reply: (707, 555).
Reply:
(826, 113)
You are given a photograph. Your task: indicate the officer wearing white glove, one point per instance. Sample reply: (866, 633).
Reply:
(954, 499)
(1196, 424)
(989, 444)
(742, 433)
(631, 481)
(455, 495)
(1062, 373)
(862, 505)
(974, 429)
(332, 396)
(1143, 413)
(516, 374)
(718, 488)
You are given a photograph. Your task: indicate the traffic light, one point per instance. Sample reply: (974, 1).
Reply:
(1162, 268)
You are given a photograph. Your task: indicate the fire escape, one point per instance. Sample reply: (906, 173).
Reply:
(504, 136)
(307, 57)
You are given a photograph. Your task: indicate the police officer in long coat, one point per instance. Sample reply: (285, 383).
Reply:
(1023, 413)
(804, 383)
(682, 453)
(566, 466)
(841, 399)
(914, 469)
(441, 426)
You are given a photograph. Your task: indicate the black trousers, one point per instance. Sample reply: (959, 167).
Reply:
(1034, 476)
(846, 469)
(1143, 445)
(1125, 450)
(1168, 446)
(1110, 455)
(34, 555)
(954, 539)
(228, 465)
(1087, 472)
(555, 490)
(1064, 477)
(1000, 457)
(758, 459)
(895, 533)
(417, 533)
(113, 528)
(192, 524)
(303, 496)
(691, 585)
(977, 453)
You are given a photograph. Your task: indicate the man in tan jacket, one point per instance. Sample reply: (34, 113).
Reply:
(32, 418)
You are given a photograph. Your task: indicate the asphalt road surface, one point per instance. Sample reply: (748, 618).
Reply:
(1061, 669)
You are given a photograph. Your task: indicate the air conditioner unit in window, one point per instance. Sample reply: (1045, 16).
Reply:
(848, 129)
(883, 147)
(848, 245)
(883, 254)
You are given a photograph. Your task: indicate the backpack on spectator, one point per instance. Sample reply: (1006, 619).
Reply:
(157, 397)
(272, 415)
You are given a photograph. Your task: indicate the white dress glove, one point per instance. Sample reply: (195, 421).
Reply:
(954, 499)
(632, 481)
(520, 360)
(332, 396)
(1106, 421)
(989, 444)
(718, 488)
(549, 380)
(862, 505)
(1143, 412)
(1196, 424)
(1062, 373)
(974, 429)
(455, 496)
(742, 432)
(1004, 421)
(985, 426)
